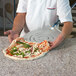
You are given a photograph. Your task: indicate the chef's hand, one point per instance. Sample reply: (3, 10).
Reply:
(57, 42)
(11, 35)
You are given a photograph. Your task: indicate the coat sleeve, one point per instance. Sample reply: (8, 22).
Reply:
(22, 6)
(64, 10)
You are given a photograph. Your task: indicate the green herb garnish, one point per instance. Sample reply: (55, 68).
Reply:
(12, 52)
(14, 49)
(27, 45)
(24, 44)
(17, 54)
(28, 51)
(22, 54)
(36, 49)
(19, 42)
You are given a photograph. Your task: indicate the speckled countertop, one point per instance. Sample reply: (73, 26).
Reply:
(61, 61)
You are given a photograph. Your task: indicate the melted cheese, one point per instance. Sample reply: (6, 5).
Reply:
(18, 46)
(36, 53)
(34, 47)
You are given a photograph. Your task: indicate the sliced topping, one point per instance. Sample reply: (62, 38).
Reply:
(19, 46)
(33, 56)
(26, 57)
(11, 52)
(36, 53)
(17, 54)
(19, 42)
(27, 45)
(22, 54)
(28, 51)
(24, 44)
(44, 46)
(22, 49)
(36, 49)
(14, 49)
(7, 51)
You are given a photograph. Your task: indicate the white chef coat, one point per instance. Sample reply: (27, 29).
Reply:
(42, 13)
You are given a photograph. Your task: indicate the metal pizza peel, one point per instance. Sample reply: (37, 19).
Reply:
(40, 35)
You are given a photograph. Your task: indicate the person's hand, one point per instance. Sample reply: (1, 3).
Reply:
(11, 35)
(57, 42)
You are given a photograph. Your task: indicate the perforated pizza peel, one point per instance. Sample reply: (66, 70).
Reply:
(40, 35)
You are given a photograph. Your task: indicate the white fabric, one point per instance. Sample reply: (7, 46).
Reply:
(42, 13)
(22, 6)
(22, 33)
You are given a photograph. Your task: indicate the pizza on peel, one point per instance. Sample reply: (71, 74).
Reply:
(21, 49)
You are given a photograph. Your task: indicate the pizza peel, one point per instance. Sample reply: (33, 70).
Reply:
(40, 35)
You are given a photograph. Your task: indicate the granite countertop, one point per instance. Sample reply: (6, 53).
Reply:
(60, 61)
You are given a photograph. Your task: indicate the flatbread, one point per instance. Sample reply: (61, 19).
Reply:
(21, 49)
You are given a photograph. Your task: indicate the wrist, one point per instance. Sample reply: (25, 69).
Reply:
(62, 37)
(15, 31)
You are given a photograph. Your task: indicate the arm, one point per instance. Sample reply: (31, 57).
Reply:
(18, 24)
(65, 16)
(19, 21)
(66, 30)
